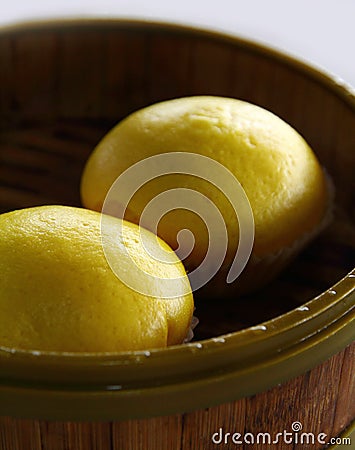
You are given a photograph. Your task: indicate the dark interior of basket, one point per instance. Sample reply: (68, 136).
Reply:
(63, 87)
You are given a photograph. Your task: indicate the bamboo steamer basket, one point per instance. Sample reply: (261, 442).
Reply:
(282, 356)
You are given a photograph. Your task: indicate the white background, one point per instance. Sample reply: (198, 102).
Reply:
(321, 32)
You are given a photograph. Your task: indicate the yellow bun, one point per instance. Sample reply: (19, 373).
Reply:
(58, 293)
(280, 174)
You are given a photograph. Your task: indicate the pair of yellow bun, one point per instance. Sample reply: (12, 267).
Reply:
(58, 291)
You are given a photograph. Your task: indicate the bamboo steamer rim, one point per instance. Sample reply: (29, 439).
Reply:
(276, 350)
(343, 89)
